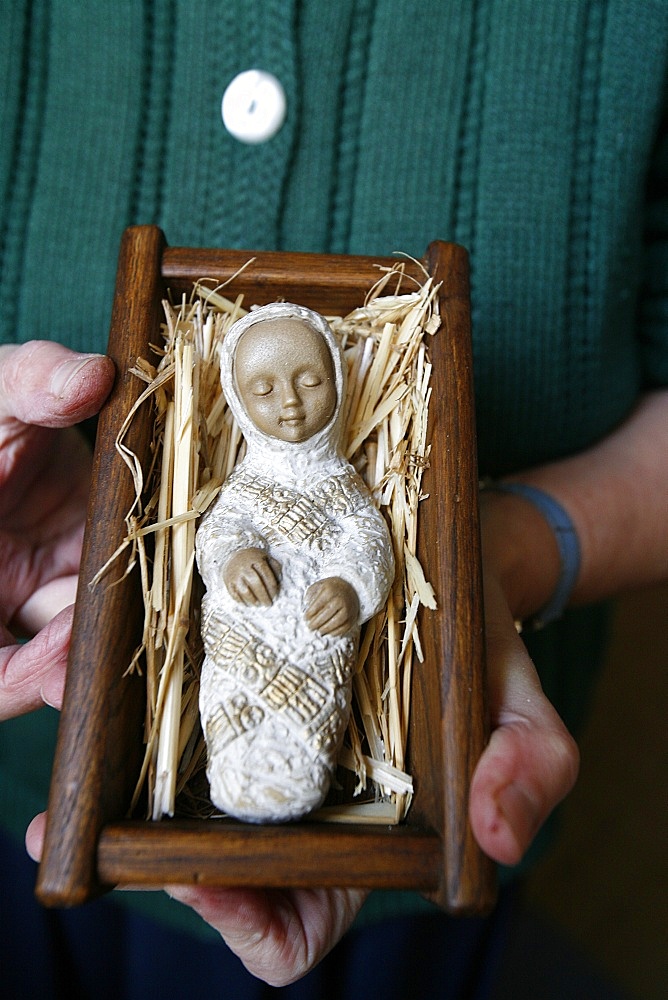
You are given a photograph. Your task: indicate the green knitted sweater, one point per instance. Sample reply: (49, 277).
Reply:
(527, 130)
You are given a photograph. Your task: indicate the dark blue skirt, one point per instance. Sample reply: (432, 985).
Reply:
(106, 951)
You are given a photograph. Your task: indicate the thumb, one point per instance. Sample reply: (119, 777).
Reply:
(531, 761)
(46, 384)
(33, 673)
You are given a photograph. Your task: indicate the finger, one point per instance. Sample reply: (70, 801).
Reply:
(40, 559)
(318, 604)
(255, 585)
(329, 619)
(531, 761)
(278, 935)
(35, 836)
(317, 597)
(33, 674)
(46, 384)
(524, 773)
(267, 583)
(250, 589)
(242, 592)
(45, 603)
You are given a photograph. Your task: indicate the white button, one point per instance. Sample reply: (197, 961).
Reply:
(254, 106)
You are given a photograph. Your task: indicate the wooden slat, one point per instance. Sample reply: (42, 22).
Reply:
(332, 283)
(99, 737)
(233, 854)
(449, 548)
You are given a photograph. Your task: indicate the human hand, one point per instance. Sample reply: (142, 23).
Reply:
(279, 935)
(252, 577)
(44, 471)
(332, 606)
(615, 493)
(531, 761)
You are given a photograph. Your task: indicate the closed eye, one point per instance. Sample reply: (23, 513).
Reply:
(261, 388)
(310, 380)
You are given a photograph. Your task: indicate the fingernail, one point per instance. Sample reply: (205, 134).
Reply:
(69, 370)
(53, 689)
(181, 893)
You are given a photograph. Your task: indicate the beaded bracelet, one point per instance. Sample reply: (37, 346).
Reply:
(568, 544)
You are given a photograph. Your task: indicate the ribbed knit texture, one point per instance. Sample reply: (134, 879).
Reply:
(319, 175)
(159, 39)
(386, 146)
(25, 55)
(350, 133)
(654, 303)
(524, 130)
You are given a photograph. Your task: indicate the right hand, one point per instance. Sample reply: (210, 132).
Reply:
(252, 577)
(45, 465)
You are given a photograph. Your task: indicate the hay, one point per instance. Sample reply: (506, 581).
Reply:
(195, 446)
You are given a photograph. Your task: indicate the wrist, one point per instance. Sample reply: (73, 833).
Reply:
(530, 544)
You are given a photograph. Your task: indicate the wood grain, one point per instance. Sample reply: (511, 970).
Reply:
(99, 737)
(215, 852)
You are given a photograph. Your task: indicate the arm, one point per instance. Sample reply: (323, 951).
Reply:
(363, 558)
(617, 495)
(232, 552)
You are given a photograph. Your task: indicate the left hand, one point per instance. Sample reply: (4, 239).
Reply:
(44, 475)
(615, 492)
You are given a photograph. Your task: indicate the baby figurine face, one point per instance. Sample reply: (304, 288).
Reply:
(285, 378)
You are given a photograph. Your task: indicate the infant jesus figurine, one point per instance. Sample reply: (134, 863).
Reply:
(294, 557)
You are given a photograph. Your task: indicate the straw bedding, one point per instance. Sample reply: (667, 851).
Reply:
(194, 448)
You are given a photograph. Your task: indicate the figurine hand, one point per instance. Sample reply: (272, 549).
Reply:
(252, 577)
(332, 606)
(44, 473)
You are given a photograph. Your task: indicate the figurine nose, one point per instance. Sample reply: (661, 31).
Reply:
(289, 394)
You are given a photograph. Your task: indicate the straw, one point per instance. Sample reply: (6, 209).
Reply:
(196, 444)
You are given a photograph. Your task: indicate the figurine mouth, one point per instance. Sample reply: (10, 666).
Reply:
(291, 420)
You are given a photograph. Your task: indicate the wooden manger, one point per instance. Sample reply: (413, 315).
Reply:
(90, 844)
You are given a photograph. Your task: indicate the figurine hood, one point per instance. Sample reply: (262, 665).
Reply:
(286, 459)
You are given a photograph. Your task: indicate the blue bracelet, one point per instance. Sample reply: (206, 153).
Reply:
(567, 541)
